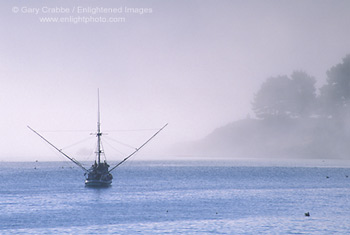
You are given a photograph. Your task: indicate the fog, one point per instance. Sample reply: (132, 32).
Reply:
(193, 64)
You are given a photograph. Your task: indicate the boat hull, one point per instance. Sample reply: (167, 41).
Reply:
(98, 183)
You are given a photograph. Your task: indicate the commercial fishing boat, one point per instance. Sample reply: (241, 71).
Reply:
(99, 174)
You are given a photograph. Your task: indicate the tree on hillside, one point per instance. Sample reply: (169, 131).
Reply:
(285, 97)
(304, 97)
(335, 95)
(272, 99)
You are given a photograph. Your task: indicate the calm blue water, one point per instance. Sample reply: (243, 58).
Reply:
(175, 198)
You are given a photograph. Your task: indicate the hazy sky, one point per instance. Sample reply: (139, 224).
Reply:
(194, 64)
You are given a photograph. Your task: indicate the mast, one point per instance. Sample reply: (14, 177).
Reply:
(99, 151)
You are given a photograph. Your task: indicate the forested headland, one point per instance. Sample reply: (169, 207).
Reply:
(292, 118)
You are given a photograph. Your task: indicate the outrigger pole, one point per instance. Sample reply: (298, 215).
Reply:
(59, 150)
(137, 149)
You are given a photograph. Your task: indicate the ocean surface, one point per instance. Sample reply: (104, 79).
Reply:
(178, 197)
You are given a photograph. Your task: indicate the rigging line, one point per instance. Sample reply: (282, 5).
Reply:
(65, 130)
(113, 147)
(131, 130)
(103, 150)
(81, 141)
(88, 157)
(138, 148)
(121, 143)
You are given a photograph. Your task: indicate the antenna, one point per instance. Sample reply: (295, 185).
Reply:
(98, 129)
(98, 110)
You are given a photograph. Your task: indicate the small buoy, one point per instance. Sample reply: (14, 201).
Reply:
(307, 214)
